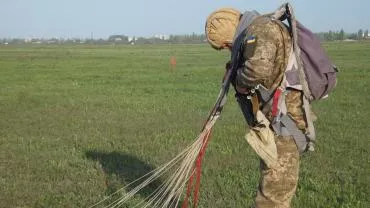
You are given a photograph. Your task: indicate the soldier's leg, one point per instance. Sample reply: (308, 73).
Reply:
(277, 187)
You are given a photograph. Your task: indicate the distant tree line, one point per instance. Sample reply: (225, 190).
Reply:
(193, 38)
(169, 39)
(113, 39)
(341, 35)
(161, 39)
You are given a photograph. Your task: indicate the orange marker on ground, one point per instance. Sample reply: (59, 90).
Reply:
(173, 63)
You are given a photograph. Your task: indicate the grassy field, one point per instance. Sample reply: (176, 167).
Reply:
(79, 122)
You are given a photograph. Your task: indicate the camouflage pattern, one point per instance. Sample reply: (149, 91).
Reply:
(277, 186)
(265, 64)
(294, 103)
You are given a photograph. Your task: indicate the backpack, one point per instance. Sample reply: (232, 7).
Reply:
(317, 74)
(310, 70)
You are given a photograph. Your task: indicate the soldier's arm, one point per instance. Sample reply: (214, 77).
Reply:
(260, 55)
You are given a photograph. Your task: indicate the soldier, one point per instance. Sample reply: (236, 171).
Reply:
(265, 59)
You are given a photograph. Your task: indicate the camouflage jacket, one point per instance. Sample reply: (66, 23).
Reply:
(266, 60)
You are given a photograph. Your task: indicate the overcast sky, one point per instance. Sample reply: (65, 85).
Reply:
(80, 18)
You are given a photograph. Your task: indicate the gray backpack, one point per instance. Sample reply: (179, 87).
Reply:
(310, 70)
(320, 72)
(316, 73)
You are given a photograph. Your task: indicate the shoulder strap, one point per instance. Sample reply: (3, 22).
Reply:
(285, 12)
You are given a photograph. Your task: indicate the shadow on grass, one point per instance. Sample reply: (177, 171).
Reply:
(121, 169)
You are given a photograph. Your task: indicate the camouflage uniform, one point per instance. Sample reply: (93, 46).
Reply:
(265, 64)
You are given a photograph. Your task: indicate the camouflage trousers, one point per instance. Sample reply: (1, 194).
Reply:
(277, 186)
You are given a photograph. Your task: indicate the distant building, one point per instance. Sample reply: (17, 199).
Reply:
(28, 40)
(118, 38)
(132, 40)
(162, 37)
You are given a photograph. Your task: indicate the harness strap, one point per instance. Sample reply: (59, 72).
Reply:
(264, 93)
(255, 104)
(266, 96)
(284, 125)
(275, 102)
(287, 127)
(310, 127)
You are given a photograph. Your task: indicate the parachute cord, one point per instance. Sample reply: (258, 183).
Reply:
(199, 168)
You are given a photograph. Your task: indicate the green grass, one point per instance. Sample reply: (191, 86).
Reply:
(79, 122)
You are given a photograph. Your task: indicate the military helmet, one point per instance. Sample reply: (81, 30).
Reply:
(221, 26)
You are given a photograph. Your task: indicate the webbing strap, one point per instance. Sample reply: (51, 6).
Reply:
(299, 137)
(265, 94)
(286, 11)
(311, 134)
(283, 124)
(297, 51)
(287, 127)
(255, 104)
(275, 102)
